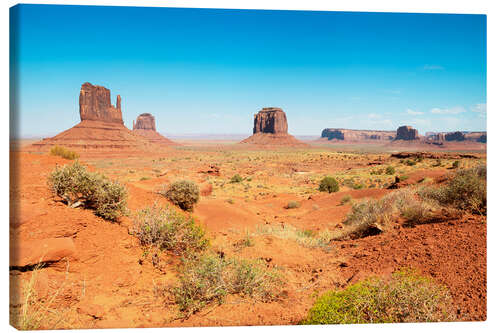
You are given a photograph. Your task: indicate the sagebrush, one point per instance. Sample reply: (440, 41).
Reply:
(64, 153)
(183, 193)
(169, 230)
(210, 278)
(79, 187)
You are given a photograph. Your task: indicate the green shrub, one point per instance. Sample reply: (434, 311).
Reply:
(345, 199)
(77, 187)
(403, 178)
(168, 230)
(236, 179)
(455, 165)
(183, 193)
(358, 186)
(64, 153)
(390, 170)
(410, 162)
(405, 297)
(210, 278)
(328, 184)
(466, 190)
(292, 204)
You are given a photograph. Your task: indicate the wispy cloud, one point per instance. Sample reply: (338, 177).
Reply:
(453, 110)
(428, 67)
(479, 108)
(414, 113)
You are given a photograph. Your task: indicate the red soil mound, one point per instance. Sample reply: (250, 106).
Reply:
(274, 140)
(96, 135)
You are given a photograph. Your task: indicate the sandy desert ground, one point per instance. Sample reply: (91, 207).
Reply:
(110, 280)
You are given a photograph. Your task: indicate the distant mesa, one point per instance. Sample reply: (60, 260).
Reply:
(343, 134)
(145, 126)
(407, 133)
(270, 127)
(101, 126)
(457, 136)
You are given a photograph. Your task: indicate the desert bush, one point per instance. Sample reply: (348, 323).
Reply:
(358, 186)
(345, 199)
(405, 297)
(403, 178)
(77, 186)
(328, 184)
(455, 165)
(210, 279)
(390, 170)
(410, 162)
(183, 193)
(292, 204)
(466, 190)
(236, 179)
(64, 153)
(438, 163)
(168, 230)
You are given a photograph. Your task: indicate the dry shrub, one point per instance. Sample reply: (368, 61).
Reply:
(404, 298)
(77, 186)
(183, 193)
(168, 230)
(64, 153)
(328, 184)
(210, 278)
(466, 190)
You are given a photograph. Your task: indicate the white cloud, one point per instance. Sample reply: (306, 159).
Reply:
(453, 110)
(479, 108)
(414, 113)
(428, 67)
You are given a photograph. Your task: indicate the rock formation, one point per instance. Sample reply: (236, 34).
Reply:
(101, 126)
(357, 135)
(270, 127)
(456, 136)
(145, 121)
(145, 126)
(270, 120)
(95, 104)
(407, 133)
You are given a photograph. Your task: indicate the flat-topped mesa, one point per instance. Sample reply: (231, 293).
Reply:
(456, 136)
(95, 104)
(407, 133)
(270, 120)
(357, 135)
(145, 121)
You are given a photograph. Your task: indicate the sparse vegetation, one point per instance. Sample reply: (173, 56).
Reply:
(405, 297)
(466, 190)
(79, 187)
(183, 193)
(345, 199)
(210, 278)
(328, 184)
(169, 231)
(292, 204)
(390, 170)
(306, 238)
(64, 153)
(236, 179)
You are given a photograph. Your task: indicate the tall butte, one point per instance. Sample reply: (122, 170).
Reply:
(145, 126)
(101, 126)
(270, 127)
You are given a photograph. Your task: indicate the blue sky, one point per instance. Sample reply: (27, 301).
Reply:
(208, 71)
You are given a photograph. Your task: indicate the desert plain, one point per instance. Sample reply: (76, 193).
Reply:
(258, 201)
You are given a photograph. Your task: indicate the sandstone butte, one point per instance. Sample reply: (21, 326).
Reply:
(101, 126)
(145, 126)
(270, 128)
